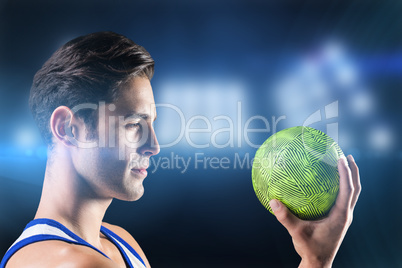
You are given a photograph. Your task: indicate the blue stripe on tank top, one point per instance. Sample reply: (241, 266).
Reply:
(34, 239)
(122, 251)
(65, 230)
(110, 234)
(79, 241)
(44, 237)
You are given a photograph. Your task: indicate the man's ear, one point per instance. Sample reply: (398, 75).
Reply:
(62, 126)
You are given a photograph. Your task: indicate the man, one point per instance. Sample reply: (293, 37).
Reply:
(94, 105)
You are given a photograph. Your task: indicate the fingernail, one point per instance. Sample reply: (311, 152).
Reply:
(351, 157)
(274, 204)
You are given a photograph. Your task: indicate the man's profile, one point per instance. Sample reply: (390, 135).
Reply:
(94, 106)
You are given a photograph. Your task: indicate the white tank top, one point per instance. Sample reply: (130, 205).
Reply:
(48, 229)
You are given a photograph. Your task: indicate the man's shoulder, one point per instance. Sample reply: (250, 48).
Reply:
(55, 253)
(126, 236)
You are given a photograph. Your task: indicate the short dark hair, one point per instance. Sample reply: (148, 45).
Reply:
(87, 69)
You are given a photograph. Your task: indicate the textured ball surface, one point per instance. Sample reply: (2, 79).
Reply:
(298, 166)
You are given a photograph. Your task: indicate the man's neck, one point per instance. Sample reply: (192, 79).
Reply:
(68, 199)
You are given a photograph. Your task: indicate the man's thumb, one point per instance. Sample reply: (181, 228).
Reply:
(283, 214)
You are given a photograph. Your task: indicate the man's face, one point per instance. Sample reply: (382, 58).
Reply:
(116, 167)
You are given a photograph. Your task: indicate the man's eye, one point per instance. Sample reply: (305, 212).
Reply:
(132, 126)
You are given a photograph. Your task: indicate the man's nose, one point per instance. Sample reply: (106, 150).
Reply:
(151, 147)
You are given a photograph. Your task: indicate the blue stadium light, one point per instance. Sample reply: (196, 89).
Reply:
(345, 75)
(208, 100)
(362, 103)
(381, 138)
(332, 52)
(26, 138)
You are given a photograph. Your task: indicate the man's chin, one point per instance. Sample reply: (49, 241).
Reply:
(132, 196)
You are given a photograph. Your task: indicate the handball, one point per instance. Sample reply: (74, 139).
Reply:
(298, 166)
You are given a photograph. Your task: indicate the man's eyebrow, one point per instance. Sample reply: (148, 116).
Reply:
(142, 115)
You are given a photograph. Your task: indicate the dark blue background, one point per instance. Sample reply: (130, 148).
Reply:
(209, 55)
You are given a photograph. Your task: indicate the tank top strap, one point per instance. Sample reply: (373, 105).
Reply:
(132, 257)
(43, 230)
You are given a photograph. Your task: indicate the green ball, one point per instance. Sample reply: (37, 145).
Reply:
(298, 166)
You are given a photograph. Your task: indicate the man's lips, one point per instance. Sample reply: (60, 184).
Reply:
(141, 171)
(140, 166)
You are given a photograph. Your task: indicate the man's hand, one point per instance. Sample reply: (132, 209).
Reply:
(317, 242)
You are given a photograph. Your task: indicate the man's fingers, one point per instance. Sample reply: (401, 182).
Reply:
(283, 215)
(355, 180)
(343, 201)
